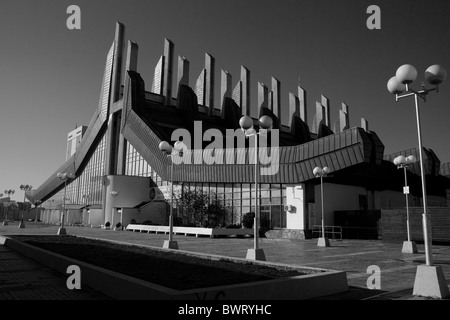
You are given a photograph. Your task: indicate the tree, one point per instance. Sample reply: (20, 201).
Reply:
(201, 209)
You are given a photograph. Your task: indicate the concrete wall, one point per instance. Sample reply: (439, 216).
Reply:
(339, 198)
(73, 216)
(156, 212)
(31, 214)
(131, 191)
(393, 224)
(396, 200)
(295, 219)
(85, 217)
(96, 217)
(53, 216)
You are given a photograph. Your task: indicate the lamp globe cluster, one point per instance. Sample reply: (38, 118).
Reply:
(318, 171)
(407, 74)
(404, 161)
(246, 124)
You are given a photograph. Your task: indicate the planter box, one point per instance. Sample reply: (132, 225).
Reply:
(316, 283)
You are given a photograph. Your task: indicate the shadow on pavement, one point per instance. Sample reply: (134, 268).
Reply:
(354, 293)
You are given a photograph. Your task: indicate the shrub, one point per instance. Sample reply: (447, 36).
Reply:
(108, 224)
(234, 226)
(177, 222)
(248, 220)
(200, 209)
(215, 214)
(262, 231)
(118, 225)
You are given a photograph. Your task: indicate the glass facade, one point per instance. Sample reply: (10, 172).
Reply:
(135, 165)
(238, 198)
(87, 188)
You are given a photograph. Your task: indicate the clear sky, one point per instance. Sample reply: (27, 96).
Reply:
(50, 76)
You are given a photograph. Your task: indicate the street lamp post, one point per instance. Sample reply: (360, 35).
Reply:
(321, 173)
(25, 188)
(9, 193)
(430, 279)
(402, 163)
(64, 176)
(170, 151)
(265, 124)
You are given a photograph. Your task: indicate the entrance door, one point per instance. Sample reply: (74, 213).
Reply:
(265, 217)
(278, 217)
(272, 217)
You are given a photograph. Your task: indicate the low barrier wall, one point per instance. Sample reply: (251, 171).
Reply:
(393, 224)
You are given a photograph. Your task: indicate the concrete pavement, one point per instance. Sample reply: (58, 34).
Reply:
(23, 279)
(397, 275)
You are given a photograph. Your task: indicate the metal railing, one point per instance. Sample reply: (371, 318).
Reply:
(331, 232)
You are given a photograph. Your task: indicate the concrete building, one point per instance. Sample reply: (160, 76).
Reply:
(121, 175)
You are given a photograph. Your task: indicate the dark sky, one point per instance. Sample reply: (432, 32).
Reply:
(50, 76)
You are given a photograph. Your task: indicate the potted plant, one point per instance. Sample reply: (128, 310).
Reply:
(118, 226)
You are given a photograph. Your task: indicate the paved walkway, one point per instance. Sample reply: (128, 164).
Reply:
(24, 279)
(353, 256)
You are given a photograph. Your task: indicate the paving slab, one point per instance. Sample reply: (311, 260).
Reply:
(23, 279)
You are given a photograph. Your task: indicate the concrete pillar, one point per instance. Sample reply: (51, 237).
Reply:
(302, 102)
(320, 115)
(365, 124)
(276, 89)
(245, 91)
(200, 88)
(344, 118)
(345, 108)
(158, 77)
(130, 65)
(326, 105)
(117, 65)
(225, 87)
(270, 102)
(113, 131)
(106, 84)
(237, 94)
(183, 71)
(114, 121)
(296, 216)
(209, 81)
(263, 96)
(294, 107)
(132, 56)
(168, 70)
